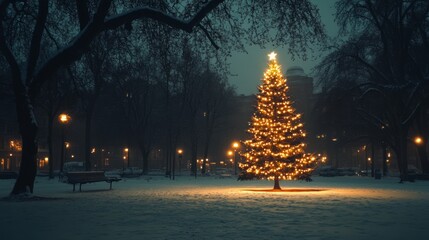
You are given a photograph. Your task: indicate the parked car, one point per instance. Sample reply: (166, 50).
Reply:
(329, 172)
(334, 172)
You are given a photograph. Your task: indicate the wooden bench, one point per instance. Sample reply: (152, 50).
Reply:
(88, 177)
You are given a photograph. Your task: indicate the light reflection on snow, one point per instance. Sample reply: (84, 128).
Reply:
(348, 208)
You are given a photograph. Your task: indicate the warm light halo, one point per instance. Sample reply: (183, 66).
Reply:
(64, 118)
(418, 140)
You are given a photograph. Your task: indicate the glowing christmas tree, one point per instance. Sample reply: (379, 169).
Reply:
(275, 150)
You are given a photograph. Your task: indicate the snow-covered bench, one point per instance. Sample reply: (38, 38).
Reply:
(89, 177)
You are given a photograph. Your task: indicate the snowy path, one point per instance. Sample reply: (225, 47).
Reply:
(209, 208)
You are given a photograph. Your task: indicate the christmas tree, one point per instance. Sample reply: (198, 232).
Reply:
(275, 150)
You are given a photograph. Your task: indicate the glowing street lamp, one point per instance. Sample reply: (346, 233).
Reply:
(180, 154)
(127, 151)
(64, 119)
(235, 145)
(418, 140)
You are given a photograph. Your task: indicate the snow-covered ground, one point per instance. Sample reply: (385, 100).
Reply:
(211, 208)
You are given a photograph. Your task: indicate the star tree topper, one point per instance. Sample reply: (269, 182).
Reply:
(272, 56)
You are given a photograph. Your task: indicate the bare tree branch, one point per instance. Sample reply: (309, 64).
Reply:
(369, 66)
(10, 58)
(34, 52)
(82, 12)
(208, 36)
(145, 12)
(73, 51)
(98, 24)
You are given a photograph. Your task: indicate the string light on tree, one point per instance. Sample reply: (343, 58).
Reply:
(275, 150)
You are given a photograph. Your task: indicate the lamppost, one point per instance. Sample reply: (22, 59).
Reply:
(357, 159)
(180, 154)
(64, 120)
(230, 154)
(235, 145)
(366, 160)
(127, 151)
(66, 151)
(419, 145)
(96, 165)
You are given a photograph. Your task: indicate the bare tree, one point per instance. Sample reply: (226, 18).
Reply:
(297, 21)
(56, 97)
(382, 37)
(216, 100)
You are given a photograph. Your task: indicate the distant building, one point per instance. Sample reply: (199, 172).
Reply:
(300, 90)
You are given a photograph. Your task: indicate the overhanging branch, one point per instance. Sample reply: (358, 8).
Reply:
(99, 23)
(146, 12)
(71, 52)
(33, 55)
(208, 36)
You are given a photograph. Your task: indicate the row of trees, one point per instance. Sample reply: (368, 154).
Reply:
(375, 80)
(132, 85)
(78, 29)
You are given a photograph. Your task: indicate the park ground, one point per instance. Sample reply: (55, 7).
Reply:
(219, 208)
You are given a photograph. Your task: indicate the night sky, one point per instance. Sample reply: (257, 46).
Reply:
(248, 69)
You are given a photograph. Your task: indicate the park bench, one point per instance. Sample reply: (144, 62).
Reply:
(89, 177)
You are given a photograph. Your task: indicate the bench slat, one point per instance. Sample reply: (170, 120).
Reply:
(88, 177)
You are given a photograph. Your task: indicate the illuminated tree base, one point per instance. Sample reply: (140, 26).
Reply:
(288, 190)
(276, 184)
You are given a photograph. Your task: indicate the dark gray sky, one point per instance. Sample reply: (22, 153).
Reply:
(249, 68)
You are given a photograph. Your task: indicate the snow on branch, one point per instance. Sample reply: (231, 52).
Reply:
(147, 12)
(100, 23)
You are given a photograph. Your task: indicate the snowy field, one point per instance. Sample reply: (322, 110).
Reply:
(211, 208)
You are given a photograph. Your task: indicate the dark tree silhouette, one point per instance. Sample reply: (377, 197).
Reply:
(219, 21)
(382, 45)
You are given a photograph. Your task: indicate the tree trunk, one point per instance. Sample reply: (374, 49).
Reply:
(384, 160)
(422, 152)
(28, 128)
(209, 131)
(402, 156)
(50, 148)
(372, 159)
(194, 152)
(194, 143)
(276, 183)
(88, 122)
(145, 159)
